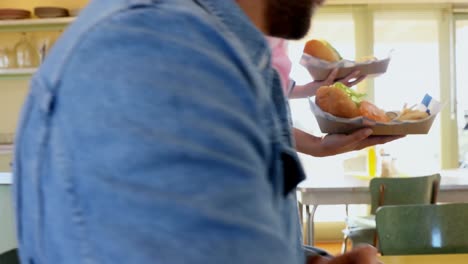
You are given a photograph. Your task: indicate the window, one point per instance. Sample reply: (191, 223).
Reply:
(461, 51)
(413, 72)
(412, 36)
(337, 28)
(417, 39)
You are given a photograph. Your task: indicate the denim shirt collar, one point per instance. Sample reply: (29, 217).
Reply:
(234, 18)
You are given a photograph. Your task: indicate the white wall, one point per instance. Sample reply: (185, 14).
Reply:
(7, 229)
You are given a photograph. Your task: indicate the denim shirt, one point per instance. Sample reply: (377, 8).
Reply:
(156, 132)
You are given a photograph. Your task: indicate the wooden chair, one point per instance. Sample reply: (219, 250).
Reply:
(423, 229)
(390, 191)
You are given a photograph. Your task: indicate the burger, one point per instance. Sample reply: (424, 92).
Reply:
(322, 49)
(341, 101)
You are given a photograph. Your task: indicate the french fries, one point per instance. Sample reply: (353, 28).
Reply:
(411, 114)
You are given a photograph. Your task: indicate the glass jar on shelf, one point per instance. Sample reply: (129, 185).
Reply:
(7, 58)
(4, 58)
(26, 55)
(44, 42)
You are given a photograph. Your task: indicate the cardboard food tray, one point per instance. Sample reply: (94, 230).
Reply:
(330, 124)
(319, 69)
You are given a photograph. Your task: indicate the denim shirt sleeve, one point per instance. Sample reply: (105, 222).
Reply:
(169, 157)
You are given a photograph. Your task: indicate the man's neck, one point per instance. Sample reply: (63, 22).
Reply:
(255, 10)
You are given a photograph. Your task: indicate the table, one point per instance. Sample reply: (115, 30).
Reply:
(425, 259)
(5, 178)
(351, 190)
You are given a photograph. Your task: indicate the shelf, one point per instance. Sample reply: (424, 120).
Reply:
(18, 71)
(35, 24)
(36, 21)
(7, 73)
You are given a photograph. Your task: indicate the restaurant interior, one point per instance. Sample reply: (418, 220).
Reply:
(426, 45)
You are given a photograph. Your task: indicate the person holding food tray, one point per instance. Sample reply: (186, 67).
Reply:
(331, 144)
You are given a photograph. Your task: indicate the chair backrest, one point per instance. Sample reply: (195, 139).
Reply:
(9, 257)
(401, 191)
(423, 229)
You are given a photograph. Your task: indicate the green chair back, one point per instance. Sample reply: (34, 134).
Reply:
(423, 229)
(401, 191)
(391, 191)
(9, 257)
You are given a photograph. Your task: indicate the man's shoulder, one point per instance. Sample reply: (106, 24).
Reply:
(159, 28)
(157, 37)
(162, 16)
(166, 22)
(167, 50)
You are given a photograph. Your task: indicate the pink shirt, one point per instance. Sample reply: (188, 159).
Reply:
(280, 60)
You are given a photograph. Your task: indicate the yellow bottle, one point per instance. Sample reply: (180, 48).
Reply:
(371, 162)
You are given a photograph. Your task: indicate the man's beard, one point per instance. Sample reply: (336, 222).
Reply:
(289, 19)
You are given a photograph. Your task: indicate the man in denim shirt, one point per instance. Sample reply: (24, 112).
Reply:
(156, 132)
